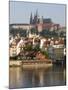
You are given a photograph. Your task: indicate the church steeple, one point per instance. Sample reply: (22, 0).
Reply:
(34, 20)
(31, 18)
(37, 13)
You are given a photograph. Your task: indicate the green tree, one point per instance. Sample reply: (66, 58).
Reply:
(27, 48)
(45, 53)
(34, 31)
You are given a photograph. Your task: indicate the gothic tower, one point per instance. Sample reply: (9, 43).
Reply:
(36, 17)
(31, 19)
(35, 20)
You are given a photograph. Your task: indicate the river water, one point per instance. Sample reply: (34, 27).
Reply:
(27, 78)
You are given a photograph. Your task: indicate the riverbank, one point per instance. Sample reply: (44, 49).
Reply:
(30, 63)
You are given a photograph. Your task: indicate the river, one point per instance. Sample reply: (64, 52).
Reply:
(27, 78)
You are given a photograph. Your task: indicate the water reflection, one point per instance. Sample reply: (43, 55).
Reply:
(20, 78)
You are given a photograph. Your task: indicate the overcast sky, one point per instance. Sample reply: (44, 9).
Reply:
(20, 11)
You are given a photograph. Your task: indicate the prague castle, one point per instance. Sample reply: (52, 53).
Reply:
(38, 23)
(43, 23)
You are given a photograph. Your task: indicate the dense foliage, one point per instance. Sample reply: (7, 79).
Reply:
(14, 32)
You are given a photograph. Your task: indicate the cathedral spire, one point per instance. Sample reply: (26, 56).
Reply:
(37, 12)
(36, 15)
(31, 18)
